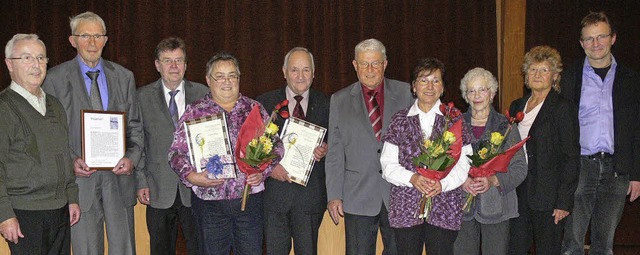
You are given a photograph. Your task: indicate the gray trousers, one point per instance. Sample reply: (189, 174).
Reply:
(475, 237)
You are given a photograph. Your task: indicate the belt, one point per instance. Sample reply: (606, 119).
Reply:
(599, 155)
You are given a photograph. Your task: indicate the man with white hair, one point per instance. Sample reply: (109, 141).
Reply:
(38, 193)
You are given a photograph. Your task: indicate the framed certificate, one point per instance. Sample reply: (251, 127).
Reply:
(103, 138)
(300, 138)
(208, 137)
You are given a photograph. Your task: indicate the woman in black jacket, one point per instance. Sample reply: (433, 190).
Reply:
(545, 197)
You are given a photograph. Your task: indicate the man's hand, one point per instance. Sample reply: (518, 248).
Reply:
(634, 190)
(201, 180)
(10, 230)
(559, 215)
(335, 210)
(124, 166)
(280, 174)
(254, 179)
(81, 169)
(143, 196)
(320, 151)
(74, 214)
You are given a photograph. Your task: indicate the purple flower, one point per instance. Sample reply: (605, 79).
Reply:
(214, 166)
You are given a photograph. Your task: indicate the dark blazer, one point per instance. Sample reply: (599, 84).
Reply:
(353, 166)
(153, 169)
(626, 114)
(280, 196)
(65, 82)
(553, 152)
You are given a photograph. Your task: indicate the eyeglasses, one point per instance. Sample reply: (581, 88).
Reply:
(424, 80)
(590, 40)
(28, 59)
(365, 65)
(87, 37)
(533, 71)
(483, 90)
(221, 78)
(168, 61)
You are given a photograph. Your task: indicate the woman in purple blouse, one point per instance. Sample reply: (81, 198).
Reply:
(402, 142)
(221, 224)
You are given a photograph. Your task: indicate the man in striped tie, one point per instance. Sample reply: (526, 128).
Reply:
(359, 116)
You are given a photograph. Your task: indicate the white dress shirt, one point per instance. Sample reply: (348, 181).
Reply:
(38, 103)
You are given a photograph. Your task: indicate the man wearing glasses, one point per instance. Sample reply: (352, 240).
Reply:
(38, 193)
(606, 93)
(89, 82)
(359, 114)
(161, 104)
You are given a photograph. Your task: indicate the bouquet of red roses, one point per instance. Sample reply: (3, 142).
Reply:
(254, 148)
(488, 159)
(438, 156)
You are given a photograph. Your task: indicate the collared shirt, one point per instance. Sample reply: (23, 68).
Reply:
(595, 112)
(179, 97)
(396, 174)
(38, 103)
(102, 81)
(379, 97)
(292, 101)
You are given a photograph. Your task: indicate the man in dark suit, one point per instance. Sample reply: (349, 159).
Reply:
(292, 210)
(161, 103)
(359, 116)
(90, 82)
(606, 93)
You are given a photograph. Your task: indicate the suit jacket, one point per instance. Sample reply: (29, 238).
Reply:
(626, 114)
(353, 169)
(65, 82)
(153, 169)
(282, 196)
(553, 152)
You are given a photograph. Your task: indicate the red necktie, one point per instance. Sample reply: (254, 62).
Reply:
(297, 110)
(374, 114)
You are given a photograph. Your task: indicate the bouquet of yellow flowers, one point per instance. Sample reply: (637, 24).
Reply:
(489, 158)
(254, 148)
(438, 156)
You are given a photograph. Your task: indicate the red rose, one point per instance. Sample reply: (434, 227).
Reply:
(284, 114)
(519, 117)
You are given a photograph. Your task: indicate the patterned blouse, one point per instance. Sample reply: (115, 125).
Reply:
(446, 212)
(179, 151)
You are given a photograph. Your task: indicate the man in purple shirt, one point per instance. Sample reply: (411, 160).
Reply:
(606, 93)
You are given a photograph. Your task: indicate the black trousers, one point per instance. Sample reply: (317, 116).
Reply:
(163, 228)
(302, 227)
(535, 227)
(362, 233)
(46, 232)
(438, 241)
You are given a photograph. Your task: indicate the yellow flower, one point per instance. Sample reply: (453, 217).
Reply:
(267, 146)
(483, 153)
(426, 143)
(271, 129)
(496, 138)
(253, 143)
(437, 150)
(264, 139)
(448, 137)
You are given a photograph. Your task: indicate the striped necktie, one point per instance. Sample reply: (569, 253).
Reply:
(374, 114)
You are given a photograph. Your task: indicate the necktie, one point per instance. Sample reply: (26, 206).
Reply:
(96, 101)
(173, 107)
(374, 114)
(297, 111)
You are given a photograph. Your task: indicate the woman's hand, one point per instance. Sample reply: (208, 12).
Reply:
(254, 179)
(201, 180)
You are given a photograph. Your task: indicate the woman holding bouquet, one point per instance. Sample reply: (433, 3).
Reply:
(216, 203)
(403, 140)
(545, 198)
(486, 222)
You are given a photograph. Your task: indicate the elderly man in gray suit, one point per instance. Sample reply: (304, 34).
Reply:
(161, 103)
(90, 82)
(359, 115)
